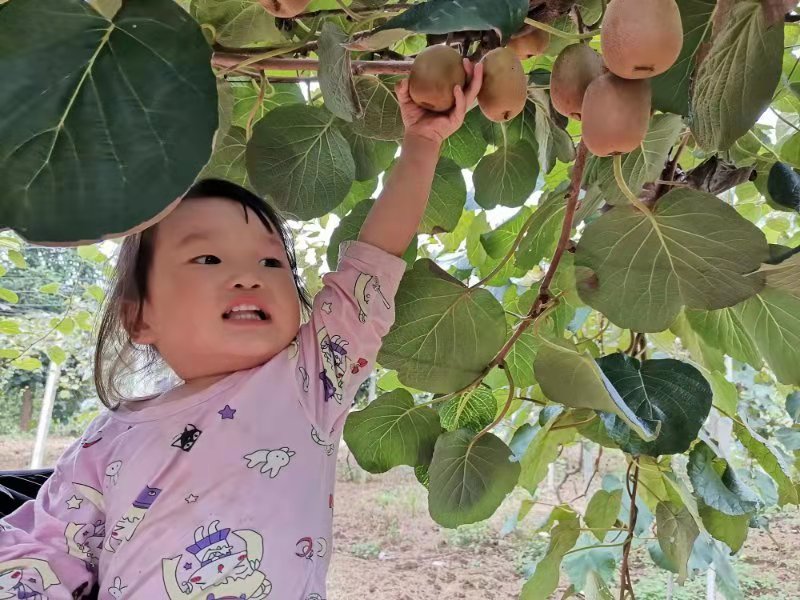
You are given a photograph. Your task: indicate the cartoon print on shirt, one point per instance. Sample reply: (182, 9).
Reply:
(126, 526)
(357, 366)
(314, 596)
(319, 441)
(305, 378)
(365, 286)
(186, 440)
(227, 412)
(327, 308)
(112, 472)
(308, 548)
(89, 443)
(273, 460)
(85, 540)
(334, 358)
(116, 589)
(227, 566)
(26, 578)
(74, 503)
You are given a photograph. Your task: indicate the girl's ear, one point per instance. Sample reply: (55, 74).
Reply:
(135, 318)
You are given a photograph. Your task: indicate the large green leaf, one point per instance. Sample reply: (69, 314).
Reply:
(562, 539)
(447, 199)
(499, 241)
(520, 359)
(114, 126)
(643, 165)
(297, 157)
(731, 530)
(716, 483)
(725, 330)
(336, 75)
(392, 431)
(227, 162)
(381, 113)
(543, 450)
(542, 236)
(472, 410)
(445, 333)
(671, 89)
(736, 80)
(246, 95)
(574, 379)
(770, 461)
(445, 16)
(238, 23)
(469, 478)
(507, 177)
(372, 157)
(467, 145)
(784, 275)
(693, 250)
(665, 390)
(677, 531)
(350, 227)
(553, 141)
(602, 512)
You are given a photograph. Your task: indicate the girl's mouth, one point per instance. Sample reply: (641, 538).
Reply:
(246, 312)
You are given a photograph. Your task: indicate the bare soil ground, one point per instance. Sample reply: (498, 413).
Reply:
(388, 547)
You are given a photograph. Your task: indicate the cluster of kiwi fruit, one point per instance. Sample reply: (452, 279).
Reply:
(438, 69)
(611, 94)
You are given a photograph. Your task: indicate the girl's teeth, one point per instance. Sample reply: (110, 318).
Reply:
(244, 316)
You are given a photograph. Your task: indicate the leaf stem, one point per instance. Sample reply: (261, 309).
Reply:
(623, 185)
(562, 34)
(509, 254)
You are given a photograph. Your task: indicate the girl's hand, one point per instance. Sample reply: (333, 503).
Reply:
(435, 126)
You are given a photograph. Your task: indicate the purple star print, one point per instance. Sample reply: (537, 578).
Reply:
(227, 412)
(187, 565)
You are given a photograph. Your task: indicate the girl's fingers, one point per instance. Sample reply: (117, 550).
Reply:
(469, 68)
(474, 86)
(402, 91)
(460, 109)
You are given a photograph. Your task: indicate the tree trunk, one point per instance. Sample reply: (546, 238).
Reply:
(26, 414)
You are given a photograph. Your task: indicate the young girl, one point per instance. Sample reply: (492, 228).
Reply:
(223, 486)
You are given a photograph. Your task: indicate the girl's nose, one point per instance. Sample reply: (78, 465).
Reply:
(246, 280)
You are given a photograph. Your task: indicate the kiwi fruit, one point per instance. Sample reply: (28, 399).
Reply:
(436, 71)
(616, 114)
(285, 8)
(529, 42)
(505, 86)
(574, 69)
(641, 38)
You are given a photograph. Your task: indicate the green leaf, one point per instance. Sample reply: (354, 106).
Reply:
(665, 390)
(693, 250)
(730, 530)
(725, 330)
(643, 165)
(444, 334)
(9, 353)
(467, 145)
(8, 296)
(57, 355)
(245, 97)
(736, 80)
(785, 275)
(50, 288)
(114, 135)
(553, 142)
(499, 241)
(238, 23)
(67, 326)
(542, 236)
(27, 363)
(602, 512)
(372, 157)
(392, 431)
(228, 160)
(96, 292)
(16, 257)
(519, 361)
(360, 191)
(349, 229)
(9, 327)
(479, 258)
(769, 459)
(543, 450)
(91, 254)
(715, 482)
(677, 531)
(336, 75)
(562, 539)
(573, 379)
(469, 477)
(671, 89)
(783, 185)
(83, 319)
(472, 410)
(382, 119)
(446, 16)
(507, 177)
(300, 160)
(447, 199)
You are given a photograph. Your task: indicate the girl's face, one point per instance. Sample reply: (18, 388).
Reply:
(222, 297)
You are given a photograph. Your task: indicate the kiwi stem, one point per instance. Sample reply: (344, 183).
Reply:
(562, 34)
(623, 185)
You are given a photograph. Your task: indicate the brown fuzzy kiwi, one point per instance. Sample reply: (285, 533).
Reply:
(616, 114)
(285, 8)
(529, 42)
(641, 38)
(574, 69)
(436, 71)
(505, 86)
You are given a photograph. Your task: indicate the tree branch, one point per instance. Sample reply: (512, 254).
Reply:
(360, 67)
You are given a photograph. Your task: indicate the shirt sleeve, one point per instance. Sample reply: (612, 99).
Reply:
(50, 546)
(337, 347)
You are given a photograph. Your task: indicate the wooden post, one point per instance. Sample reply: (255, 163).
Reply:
(37, 458)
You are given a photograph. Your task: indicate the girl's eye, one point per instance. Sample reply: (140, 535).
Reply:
(271, 262)
(206, 259)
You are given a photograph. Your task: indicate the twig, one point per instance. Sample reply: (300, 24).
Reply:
(351, 11)
(269, 63)
(672, 167)
(595, 471)
(510, 253)
(562, 34)
(625, 580)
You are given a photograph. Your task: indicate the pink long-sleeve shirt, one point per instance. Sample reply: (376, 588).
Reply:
(224, 494)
